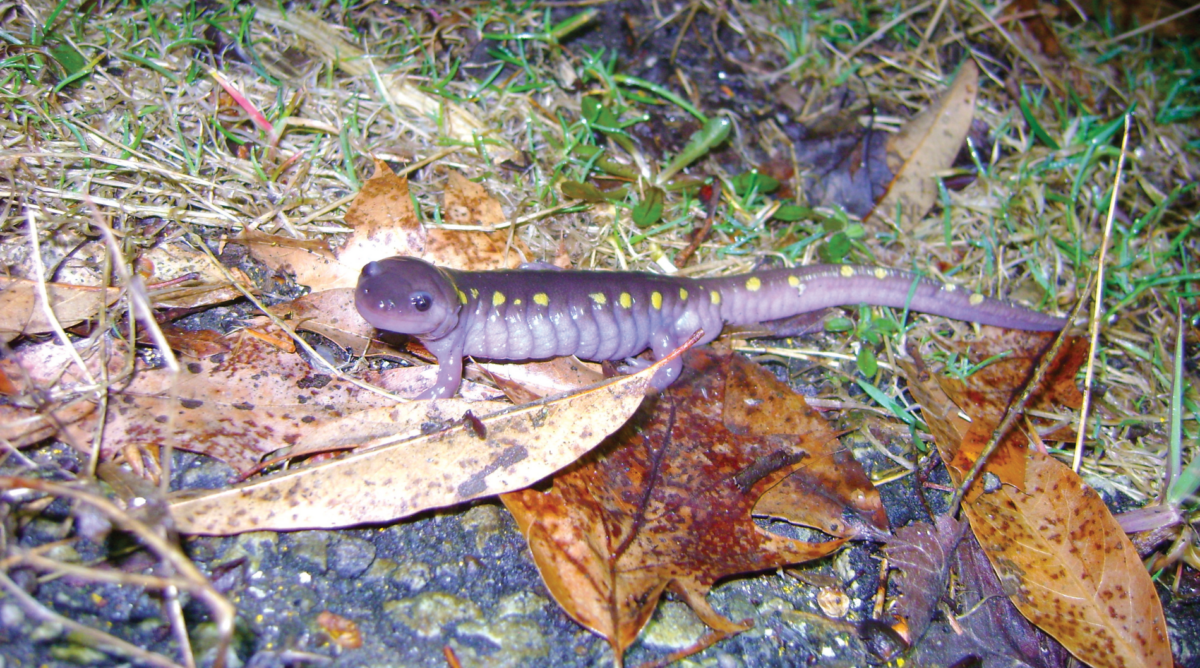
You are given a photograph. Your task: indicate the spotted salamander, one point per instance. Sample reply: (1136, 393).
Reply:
(609, 315)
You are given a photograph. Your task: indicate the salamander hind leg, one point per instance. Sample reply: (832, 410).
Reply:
(662, 343)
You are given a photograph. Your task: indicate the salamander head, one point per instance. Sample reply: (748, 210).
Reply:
(409, 296)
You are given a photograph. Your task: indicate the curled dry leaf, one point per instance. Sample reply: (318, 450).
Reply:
(399, 476)
(926, 145)
(1062, 558)
(665, 502)
(383, 223)
(921, 552)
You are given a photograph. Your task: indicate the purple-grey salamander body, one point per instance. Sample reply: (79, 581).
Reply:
(601, 315)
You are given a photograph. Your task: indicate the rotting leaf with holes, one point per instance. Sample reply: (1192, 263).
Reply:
(664, 503)
(926, 145)
(1062, 558)
(397, 476)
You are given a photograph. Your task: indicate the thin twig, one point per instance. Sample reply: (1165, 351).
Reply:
(1098, 304)
(1016, 408)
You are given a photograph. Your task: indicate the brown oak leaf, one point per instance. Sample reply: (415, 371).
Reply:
(665, 502)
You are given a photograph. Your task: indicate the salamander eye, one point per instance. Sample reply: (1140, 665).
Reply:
(421, 301)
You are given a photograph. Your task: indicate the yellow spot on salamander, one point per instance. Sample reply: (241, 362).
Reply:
(541, 299)
(753, 284)
(599, 298)
(847, 271)
(881, 273)
(516, 302)
(656, 300)
(949, 287)
(683, 294)
(794, 281)
(714, 296)
(976, 299)
(462, 296)
(474, 293)
(497, 298)
(626, 300)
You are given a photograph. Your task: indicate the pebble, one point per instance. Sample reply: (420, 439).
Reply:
(521, 603)
(311, 549)
(673, 626)
(428, 614)
(520, 641)
(351, 557)
(485, 521)
(414, 575)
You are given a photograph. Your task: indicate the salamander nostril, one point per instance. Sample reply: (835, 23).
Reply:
(372, 269)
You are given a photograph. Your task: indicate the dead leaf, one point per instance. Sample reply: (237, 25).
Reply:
(832, 491)
(666, 502)
(1066, 564)
(383, 224)
(1062, 558)
(399, 477)
(984, 396)
(21, 309)
(526, 382)
(921, 552)
(846, 169)
(234, 406)
(467, 203)
(331, 314)
(986, 625)
(926, 145)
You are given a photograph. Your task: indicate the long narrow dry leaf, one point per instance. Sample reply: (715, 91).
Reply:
(925, 146)
(518, 447)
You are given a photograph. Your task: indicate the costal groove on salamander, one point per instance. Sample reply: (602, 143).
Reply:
(537, 314)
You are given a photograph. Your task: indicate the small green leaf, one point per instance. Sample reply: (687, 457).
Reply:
(790, 213)
(590, 193)
(70, 59)
(649, 211)
(836, 249)
(713, 133)
(746, 182)
(867, 364)
(839, 325)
